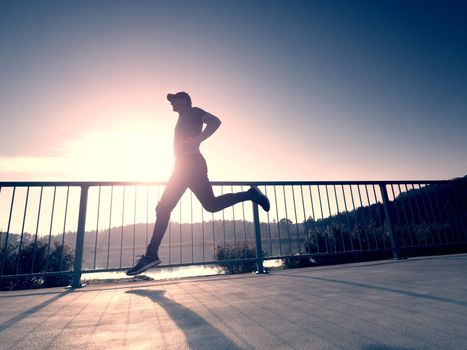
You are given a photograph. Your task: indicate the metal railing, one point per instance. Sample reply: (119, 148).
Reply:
(57, 229)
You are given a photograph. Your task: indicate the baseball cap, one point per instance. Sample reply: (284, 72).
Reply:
(181, 94)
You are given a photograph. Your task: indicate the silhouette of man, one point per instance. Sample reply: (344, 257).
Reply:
(190, 171)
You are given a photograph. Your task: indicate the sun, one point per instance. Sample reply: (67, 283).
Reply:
(132, 152)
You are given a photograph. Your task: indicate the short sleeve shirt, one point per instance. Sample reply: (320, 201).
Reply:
(189, 124)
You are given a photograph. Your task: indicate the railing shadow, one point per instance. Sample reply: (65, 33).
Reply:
(383, 347)
(384, 289)
(200, 333)
(12, 321)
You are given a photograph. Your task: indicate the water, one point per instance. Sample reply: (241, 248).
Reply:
(166, 273)
(158, 274)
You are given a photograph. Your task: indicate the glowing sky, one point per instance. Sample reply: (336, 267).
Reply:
(306, 90)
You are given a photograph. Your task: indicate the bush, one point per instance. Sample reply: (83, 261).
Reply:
(297, 261)
(230, 251)
(33, 259)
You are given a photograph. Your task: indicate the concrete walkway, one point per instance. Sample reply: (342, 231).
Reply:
(418, 303)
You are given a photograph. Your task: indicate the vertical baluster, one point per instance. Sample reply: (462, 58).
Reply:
(213, 233)
(365, 230)
(170, 241)
(233, 218)
(64, 228)
(269, 225)
(50, 231)
(97, 227)
(18, 259)
(394, 243)
(244, 227)
(315, 220)
(202, 229)
(299, 250)
(287, 221)
(372, 225)
(406, 225)
(322, 220)
(347, 215)
(110, 225)
(147, 214)
(397, 216)
(354, 209)
(330, 220)
(380, 221)
(77, 268)
(180, 231)
(412, 213)
(304, 219)
(134, 225)
(123, 223)
(439, 222)
(277, 218)
(425, 210)
(259, 249)
(223, 220)
(420, 218)
(5, 247)
(37, 230)
(191, 225)
(339, 219)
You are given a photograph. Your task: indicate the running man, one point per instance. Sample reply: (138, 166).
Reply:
(190, 171)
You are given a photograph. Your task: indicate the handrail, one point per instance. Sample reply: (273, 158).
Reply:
(307, 218)
(216, 183)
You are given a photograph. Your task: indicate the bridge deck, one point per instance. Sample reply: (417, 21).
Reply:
(420, 303)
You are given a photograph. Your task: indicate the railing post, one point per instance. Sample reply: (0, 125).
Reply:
(259, 249)
(76, 283)
(394, 244)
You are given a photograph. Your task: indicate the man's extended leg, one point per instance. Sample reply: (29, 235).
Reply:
(203, 190)
(172, 194)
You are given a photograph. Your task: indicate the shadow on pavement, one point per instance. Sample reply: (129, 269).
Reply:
(200, 334)
(385, 289)
(8, 323)
(383, 347)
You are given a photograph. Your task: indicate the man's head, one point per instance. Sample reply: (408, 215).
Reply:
(180, 101)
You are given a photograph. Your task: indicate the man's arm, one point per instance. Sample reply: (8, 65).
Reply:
(212, 124)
